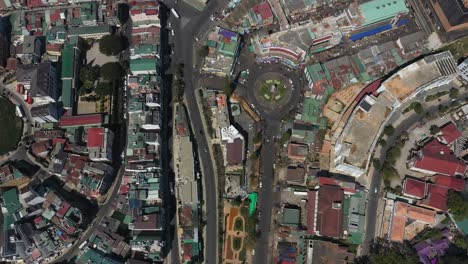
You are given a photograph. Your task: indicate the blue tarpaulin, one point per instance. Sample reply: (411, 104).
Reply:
(371, 32)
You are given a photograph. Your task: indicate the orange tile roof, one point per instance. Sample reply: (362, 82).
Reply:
(403, 211)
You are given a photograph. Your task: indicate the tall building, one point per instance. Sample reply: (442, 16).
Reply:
(453, 14)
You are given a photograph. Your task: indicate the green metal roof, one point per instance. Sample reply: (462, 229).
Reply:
(379, 10)
(67, 93)
(146, 49)
(68, 57)
(101, 29)
(8, 220)
(143, 65)
(228, 49)
(311, 110)
(11, 199)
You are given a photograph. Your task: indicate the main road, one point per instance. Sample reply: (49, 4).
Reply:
(404, 125)
(192, 25)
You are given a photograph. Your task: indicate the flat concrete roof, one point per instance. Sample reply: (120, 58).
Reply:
(379, 10)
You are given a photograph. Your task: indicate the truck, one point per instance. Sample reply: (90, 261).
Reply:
(174, 12)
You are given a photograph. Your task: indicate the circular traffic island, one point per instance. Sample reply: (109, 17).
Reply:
(272, 89)
(11, 126)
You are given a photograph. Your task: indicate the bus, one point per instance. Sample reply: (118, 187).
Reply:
(175, 13)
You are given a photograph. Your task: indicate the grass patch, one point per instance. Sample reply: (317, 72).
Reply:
(273, 90)
(435, 96)
(238, 224)
(11, 128)
(236, 243)
(459, 48)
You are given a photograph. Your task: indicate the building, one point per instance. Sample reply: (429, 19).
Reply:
(318, 251)
(414, 188)
(40, 82)
(295, 175)
(95, 32)
(82, 120)
(449, 133)
(143, 66)
(450, 182)
(72, 60)
(453, 14)
(298, 152)
(404, 215)
(330, 211)
(411, 43)
(235, 148)
(378, 102)
(223, 47)
(375, 15)
(260, 15)
(47, 113)
(436, 158)
(99, 144)
(463, 68)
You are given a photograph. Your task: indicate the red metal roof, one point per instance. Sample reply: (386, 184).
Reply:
(450, 133)
(414, 188)
(450, 182)
(330, 211)
(152, 11)
(311, 211)
(437, 197)
(438, 158)
(95, 137)
(263, 10)
(95, 119)
(235, 152)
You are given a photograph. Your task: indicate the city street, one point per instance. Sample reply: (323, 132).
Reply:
(191, 25)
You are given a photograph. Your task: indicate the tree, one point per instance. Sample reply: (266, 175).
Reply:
(453, 94)
(418, 109)
(384, 252)
(89, 73)
(389, 130)
(111, 45)
(227, 87)
(434, 130)
(203, 51)
(285, 137)
(103, 88)
(376, 163)
(382, 142)
(257, 138)
(457, 204)
(112, 71)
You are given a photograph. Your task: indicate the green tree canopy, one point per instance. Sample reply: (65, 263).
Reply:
(89, 73)
(434, 129)
(111, 45)
(203, 51)
(457, 204)
(453, 93)
(103, 88)
(418, 109)
(112, 71)
(389, 130)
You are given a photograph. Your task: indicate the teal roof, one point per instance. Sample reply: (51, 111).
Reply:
(311, 110)
(146, 49)
(292, 216)
(11, 199)
(67, 93)
(101, 29)
(139, 65)
(379, 10)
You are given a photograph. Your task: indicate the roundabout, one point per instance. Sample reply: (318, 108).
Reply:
(271, 91)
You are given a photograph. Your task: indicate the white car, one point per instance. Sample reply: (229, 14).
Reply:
(375, 190)
(253, 252)
(169, 25)
(260, 185)
(172, 32)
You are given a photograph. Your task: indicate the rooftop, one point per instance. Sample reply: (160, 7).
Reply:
(414, 188)
(82, 120)
(330, 211)
(379, 10)
(450, 133)
(402, 212)
(438, 158)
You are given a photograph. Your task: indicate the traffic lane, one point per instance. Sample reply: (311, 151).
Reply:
(266, 197)
(209, 180)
